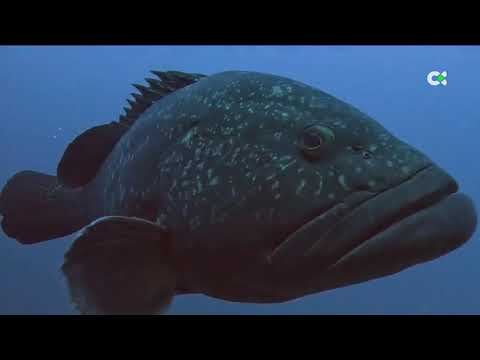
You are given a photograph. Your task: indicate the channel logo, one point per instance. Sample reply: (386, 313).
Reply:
(436, 78)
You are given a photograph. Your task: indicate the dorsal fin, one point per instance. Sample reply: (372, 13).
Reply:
(86, 153)
(169, 82)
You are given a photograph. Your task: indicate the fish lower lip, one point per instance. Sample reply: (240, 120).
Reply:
(424, 235)
(325, 243)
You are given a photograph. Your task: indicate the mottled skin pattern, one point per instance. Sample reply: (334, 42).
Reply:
(219, 164)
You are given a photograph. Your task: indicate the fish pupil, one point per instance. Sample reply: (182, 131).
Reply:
(312, 140)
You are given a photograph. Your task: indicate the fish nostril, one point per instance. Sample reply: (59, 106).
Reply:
(366, 155)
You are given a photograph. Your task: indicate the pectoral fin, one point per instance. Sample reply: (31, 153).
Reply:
(121, 265)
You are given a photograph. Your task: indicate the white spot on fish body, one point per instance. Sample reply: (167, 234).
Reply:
(215, 180)
(317, 103)
(187, 137)
(277, 91)
(198, 152)
(276, 185)
(343, 183)
(285, 166)
(301, 186)
(320, 187)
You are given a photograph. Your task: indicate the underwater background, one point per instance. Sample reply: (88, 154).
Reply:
(50, 94)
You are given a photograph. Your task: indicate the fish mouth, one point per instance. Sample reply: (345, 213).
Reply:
(418, 220)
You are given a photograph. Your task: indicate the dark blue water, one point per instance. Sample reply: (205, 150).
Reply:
(48, 95)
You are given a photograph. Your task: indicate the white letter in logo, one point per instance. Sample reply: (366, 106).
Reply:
(440, 78)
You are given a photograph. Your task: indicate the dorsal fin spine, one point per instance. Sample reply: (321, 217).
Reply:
(169, 82)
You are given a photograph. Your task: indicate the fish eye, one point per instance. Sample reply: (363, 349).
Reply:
(315, 137)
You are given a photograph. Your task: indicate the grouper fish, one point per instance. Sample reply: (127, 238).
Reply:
(242, 186)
